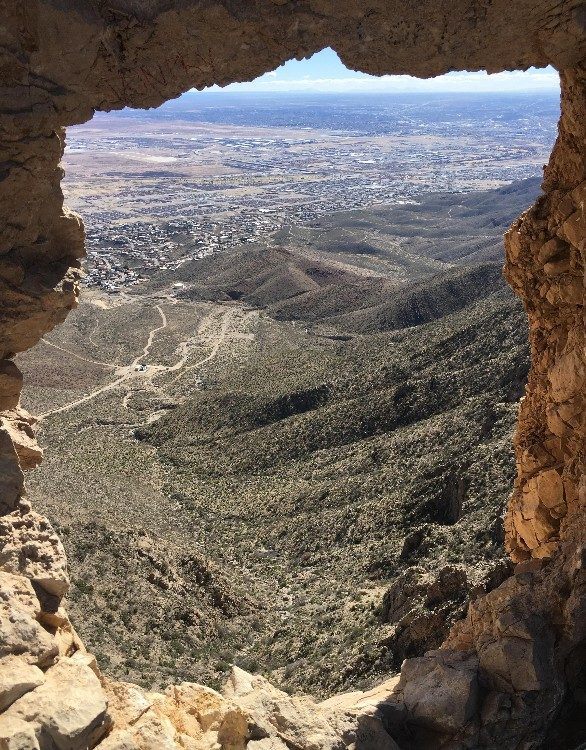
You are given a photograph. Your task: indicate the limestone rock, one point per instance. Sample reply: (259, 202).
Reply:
(11, 477)
(187, 716)
(16, 734)
(67, 711)
(17, 677)
(59, 625)
(567, 376)
(30, 547)
(354, 720)
(155, 732)
(126, 702)
(363, 718)
(421, 607)
(10, 384)
(20, 631)
(441, 689)
(18, 423)
(271, 712)
(267, 743)
(119, 740)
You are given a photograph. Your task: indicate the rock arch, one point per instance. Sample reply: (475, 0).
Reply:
(512, 666)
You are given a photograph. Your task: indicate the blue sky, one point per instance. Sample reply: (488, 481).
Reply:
(325, 72)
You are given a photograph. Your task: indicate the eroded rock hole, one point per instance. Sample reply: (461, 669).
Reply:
(178, 428)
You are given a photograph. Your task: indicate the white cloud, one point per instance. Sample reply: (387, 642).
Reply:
(533, 80)
(325, 72)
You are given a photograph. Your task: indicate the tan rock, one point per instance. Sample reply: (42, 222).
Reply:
(511, 663)
(10, 384)
(557, 267)
(363, 718)
(203, 707)
(20, 631)
(574, 227)
(30, 547)
(11, 476)
(16, 734)
(68, 709)
(205, 716)
(17, 677)
(126, 702)
(267, 743)
(187, 716)
(18, 423)
(155, 732)
(119, 740)
(294, 720)
(550, 488)
(440, 690)
(555, 421)
(562, 210)
(579, 195)
(568, 290)
(567, 376)
(551, 249)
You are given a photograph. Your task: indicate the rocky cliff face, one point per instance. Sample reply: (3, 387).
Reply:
(514, 665)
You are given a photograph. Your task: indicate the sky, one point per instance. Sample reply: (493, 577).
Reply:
(324, 72)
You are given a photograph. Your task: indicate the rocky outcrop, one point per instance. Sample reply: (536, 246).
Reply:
(546, 257)
(515, 662)
(422, 606)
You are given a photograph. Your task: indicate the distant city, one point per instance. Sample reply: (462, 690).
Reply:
(210, 171)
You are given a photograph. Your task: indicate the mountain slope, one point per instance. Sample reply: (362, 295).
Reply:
(308, 479)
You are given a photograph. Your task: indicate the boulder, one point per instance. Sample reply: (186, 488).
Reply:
(272, 713)
(275, 719)
(21, 633)
(68, 711)
(16, 734)
(440, 690)
(17, 677)
(267, 743)
(18, 423)
(421, 606)
(30, 547)
(120, 740)
(185, 717)
(10, 384)
(11, 476)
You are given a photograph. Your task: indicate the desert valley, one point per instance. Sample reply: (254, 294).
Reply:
(291, 384)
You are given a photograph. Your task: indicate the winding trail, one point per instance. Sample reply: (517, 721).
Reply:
(215, 348)
(130, 372)
(126, 372)
(151, 338)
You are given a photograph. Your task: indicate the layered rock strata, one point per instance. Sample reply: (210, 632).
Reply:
(514, 664)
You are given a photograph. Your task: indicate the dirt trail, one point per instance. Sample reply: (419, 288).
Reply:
(130, 372)
(126, 372)
(227, 318)
(151, 337)
(83, 359)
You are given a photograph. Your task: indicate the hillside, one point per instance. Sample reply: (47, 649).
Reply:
(368, 271)
(394, 453)
(308, 477)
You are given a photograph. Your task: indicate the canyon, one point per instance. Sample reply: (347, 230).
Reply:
(511, 673)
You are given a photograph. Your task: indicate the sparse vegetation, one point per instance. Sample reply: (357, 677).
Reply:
(291, 479)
